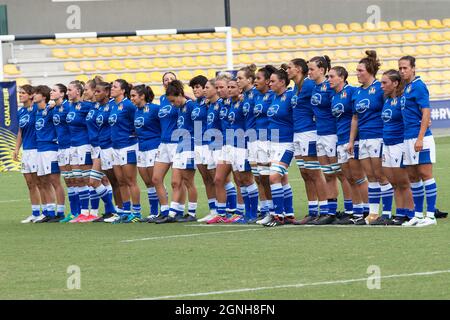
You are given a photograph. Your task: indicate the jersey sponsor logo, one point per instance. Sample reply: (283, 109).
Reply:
(56, 119)
(70, 117)
(223, 113)
(362, 106)
(246, 108)
(180, 122)
(23, 121)
(273, 110)
(316, 99)
(257, 110)
(139, 122)
(99, 120)
(231, 117)
(294, 100)
(195, 113)
(337, 110)
(386, 115)
(90, 115)
(39, 124)
(112, 119)
(402, 102)
(164, 111)
(210, 118)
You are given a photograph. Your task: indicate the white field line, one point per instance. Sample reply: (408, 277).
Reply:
(13, 200)
(294, 226)
(296, 285)
(189, 235)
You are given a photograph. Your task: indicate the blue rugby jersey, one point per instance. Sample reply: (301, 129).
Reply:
(321, 101)
(46, 137)
(104, 132)
(61, 125)
(200, 114)
(248, 103)
(280, 114)
(237, 120)
(168, 116)
(393, 128)
(214, 122)
(416, 98)
(148, 128)
(342, 109)
(27, 119)
(184, 122)
(121, 120)
(303, 113)
(92, 126)
(262, 103)
(368, 104)
(76, 118)
(223, 115)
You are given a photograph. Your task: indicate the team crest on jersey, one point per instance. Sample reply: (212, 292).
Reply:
(246, 108)
(106, 108)
(78, 106)
(266, 97)
(408, 89)
(146, 109)
(97, 105)
(216, 107)
(344, 94)
(61, 109)
(120, 108)
(237, 105)
(90, 115)
(44, 113)
(394, 102)
(372, 90)
(323, 88)
(223, 113)
(337, 110)
(283, 98)
(386, 115)
(273, 110)
(30, 108)
(139, 122)
(250, 95)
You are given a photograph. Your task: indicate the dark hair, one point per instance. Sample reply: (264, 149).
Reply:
(341, 72)
(105, 85)
(169, 72)
(94, 82)
(282, 74)
(267, 71)
(28, 89)
(79, 85)
(411, 59)
(371, 62)
(142, 89)
(301, 63)
(124, 85)
(62, 88)
(44, 91)
(198, 80)
(249, 71)
(322, 62)
(175, 89)
(394, 75)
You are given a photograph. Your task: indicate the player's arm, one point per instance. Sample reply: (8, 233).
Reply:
(353, 133)
(18, 144)
(426, 116)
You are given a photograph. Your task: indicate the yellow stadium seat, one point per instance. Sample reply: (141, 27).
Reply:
(435, 24)
(369, 40)
(421, 64)
(188, 62)
(315, 28)
(246, 45)
(423, 24)
(179, 37)
(247, 32)
(329, 28)
(244, 59)
(370, 27)
(355, 54)
(102, 65)
(287, 44)
(273, 58)
(119, 51)
(435, 63)
(423, 50)
(274, 31)
(93, 41)
(315, 42)
(107, 40)
(204, 47)
(82, 77)
(342, 41)
(261, 31)
(351, 67)
(235, 32)
(59, 54)
(396, 38)
(116, 65)
(411, 51)
(120, 39)
(78, 41)
(436, 37)
(175, 49)
(391, 64)
(185, 75)
(156, 76)
(274, 44)
(446, 35)
(437, 50)
(356, 41)
(218, 46)
(396, 25)
(288, 30)
(260, 45)
(236, 46)
(48, 42)
(174, 62)
(128, 77)
(329, 42)
(104, 52)
(312, 54)
(356, 27)
(435, 76)
(22, 81)
(160, 63)
(259, 58)
(446, 48)
(342, 28)
(74, 53)
(135, 39)
(133, 51)
(158, 91)
(342, 55)
(143, 77)
(87, 66)
(207, 35)
(131, 64)
(446, 75)
(410, 25)
(435, 90)
(446, 89)
(89, 52)
(211, 73)
(162, 49)
(203, 61)
(286, 57)
(200, 72)
(407, 37)
(384, 26)
(383, 39)
(423, 37)
(192, 36)
(330, 53)
(190, 48)
(302, 29)
(301, 43)
(353, 80)
(111, 77)
(217, 60)
(64, 42)
(149, 38)
(383, 52)
(71, 67)
(395, 52)
(426, 77)
(147, 50)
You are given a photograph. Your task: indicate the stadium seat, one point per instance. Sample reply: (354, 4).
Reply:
(446, 23)
(382, 39)
(147, 50)
(436, 36)
(59, 54)
(446, 89)
(259, 58)
(93, 41)
(342, 55)
(207, 35)
(185, 75)
(356, 27)
(116, 65)
(218, 60)
(104, 52)
(244, 59)
(87, 66)
(353, 80)
(407, 37)
(158, 91)
(160, 63)
(164, 37)
(149, 38)
(446, 75)
(64, 42)
(351, 67)
(423, 50)
(131, 64)
(329, 28)
(174, 62)
(288, 30)
(422, 64)
(143, 77)
(435, 90)
(301, 43)
(286, 57)
(247, 32)
(435, 76)
(246, 45)
(211, 73)
(133, 51)
(302, 29)
(79, 41)
(423, 37)
(156, 76)
(128, 77)
(383, 53)
(89, 52)
(71, 67)
(111, 77)
(274, 45)
(343, 41)
(275, 31)
(391, 64)
(356, 54)
(329, 42)
(175, 49)
(121, 39)
(370, 27)
(369, 40)
(218, 46)
(435, 63)
(396, 25)
(200, 72)
(107, 40)
(135, 39)
(74, 53)
(119, 51)
(193, 36)
(260, 45)
(102, 65)
(422, 24)
(22, 81)
(48, 42)
(190, 48)
(395, 52)
(273, 58)
(162, 49)
(204, 47)
(311, 54)
(446, 35)
(409, 25)
(261, 31)
(446, 48)
(178, 37)
(342, 28)
(188, 62)
(235, 32)
(396, 38)
(315, 28)
(287, 44)
(436, 50)
(315, 42)
(84, 78)
(384, 26)
(411, 51)
(356, 41)
(435, 24)
(203, 61)
(236, 46)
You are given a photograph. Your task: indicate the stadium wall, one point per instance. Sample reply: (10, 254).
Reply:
(119, 15)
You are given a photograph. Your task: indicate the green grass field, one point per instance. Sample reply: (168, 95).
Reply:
(194, 262)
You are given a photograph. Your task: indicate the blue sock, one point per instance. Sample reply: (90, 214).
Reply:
(366, 208)
(212, 204)
(44, 210)
(348, 206)
(332, 206)
(136, 209)
(74, 200)
(246, 199)
(410, 213)
(387, 195)
(313, 208)
(253, 195)
(374, 194)
(60, 208)
(36, 210)
(51, 208)
(323, 207)
(431, 194)
(127, 207)
(221, 209)
(94, 198)
(358, 210)
(231, 196)
(192, 208)
(400, 212)
(288, 205)
(106, 197)
(418, 194)
(153, 201)
(278, 198)
(84, 197)
(165, 210)
(240, 209)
